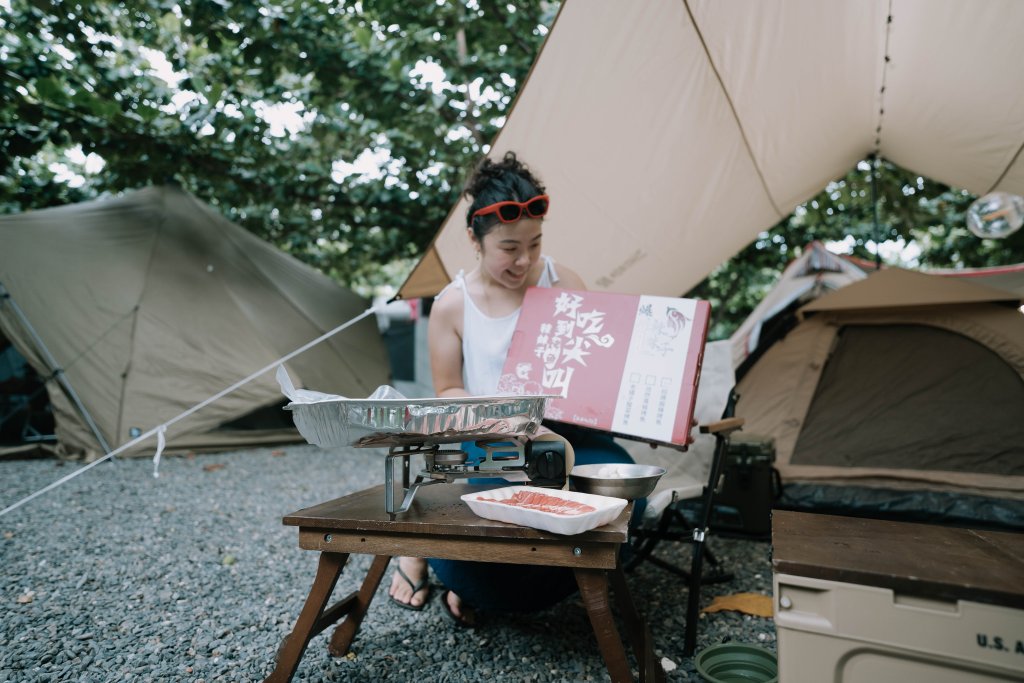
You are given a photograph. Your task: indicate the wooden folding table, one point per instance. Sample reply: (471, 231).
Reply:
(439, 525)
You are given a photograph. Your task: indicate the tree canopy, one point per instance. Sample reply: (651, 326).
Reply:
(342, 131)
(418, 88)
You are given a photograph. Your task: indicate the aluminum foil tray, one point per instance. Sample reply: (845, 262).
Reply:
(407, 421)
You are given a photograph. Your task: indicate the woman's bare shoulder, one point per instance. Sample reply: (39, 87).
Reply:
(448, 304)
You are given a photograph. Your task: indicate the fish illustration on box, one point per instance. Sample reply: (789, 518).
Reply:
(661, 333)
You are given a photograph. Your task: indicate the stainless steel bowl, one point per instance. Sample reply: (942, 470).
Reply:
(620, 481)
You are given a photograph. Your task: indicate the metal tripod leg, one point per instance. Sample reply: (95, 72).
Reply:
(389, 481)
(721, 430)
(669, 523)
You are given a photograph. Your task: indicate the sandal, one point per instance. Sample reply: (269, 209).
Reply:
(468, 618)
(416, 588)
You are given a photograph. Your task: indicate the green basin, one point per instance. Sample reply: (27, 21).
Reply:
(737, 663)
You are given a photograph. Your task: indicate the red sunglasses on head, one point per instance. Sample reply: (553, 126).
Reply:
(510, 212)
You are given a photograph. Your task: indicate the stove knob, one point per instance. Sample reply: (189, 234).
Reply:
(551, 465)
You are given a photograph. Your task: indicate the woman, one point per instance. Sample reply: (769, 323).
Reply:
(469, 333)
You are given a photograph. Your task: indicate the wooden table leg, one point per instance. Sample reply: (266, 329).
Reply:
(342, 637)
(636, 630)
(294, 645)
(593, 585)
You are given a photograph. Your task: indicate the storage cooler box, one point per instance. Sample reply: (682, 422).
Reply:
(859, 601)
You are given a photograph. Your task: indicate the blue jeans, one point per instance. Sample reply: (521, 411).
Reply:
(529, 588)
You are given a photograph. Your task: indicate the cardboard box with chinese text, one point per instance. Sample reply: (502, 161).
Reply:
(621, 363)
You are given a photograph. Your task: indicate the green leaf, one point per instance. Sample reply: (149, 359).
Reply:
(215, 93)
(170, 23)
(363, 36)
(198, 83)
(50, 89)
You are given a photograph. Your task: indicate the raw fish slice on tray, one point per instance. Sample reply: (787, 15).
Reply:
(554, 510)
(534, 500)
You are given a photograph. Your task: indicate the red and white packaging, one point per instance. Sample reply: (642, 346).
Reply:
(623, 363)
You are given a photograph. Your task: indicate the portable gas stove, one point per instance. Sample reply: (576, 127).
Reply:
(501, 425)
(542, 463)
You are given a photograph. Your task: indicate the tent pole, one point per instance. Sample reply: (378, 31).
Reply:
(55, 370)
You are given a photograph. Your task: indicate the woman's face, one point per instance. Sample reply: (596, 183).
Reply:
(510, 250)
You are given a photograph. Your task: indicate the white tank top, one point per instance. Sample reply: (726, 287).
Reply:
(485, 340)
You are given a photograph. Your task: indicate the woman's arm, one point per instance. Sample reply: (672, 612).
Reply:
(444, 342)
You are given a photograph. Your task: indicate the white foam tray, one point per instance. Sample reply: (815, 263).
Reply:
(607, 509)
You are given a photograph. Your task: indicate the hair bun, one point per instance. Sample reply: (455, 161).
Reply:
(488, 170)
(496, 181)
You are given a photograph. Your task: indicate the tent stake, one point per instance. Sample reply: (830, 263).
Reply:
(55, 370)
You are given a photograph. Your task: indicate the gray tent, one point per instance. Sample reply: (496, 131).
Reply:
(815, 272)
(152, 302)
(900, 376)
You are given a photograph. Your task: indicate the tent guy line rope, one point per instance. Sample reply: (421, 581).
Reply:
(159, 430)
(1006, 170)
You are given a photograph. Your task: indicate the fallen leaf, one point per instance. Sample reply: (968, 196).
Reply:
(748, 603)
(26, 597)
(8, 535)
(213, 467)
(277, 454)
(228, 560)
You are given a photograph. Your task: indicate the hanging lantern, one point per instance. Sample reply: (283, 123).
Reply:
(996, 215)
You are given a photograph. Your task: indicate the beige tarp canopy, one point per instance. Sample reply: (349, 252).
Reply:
(153, 302)
(898, 376)
(670, 132)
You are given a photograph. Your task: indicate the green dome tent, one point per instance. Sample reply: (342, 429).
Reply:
(898, 377)
(147, 304)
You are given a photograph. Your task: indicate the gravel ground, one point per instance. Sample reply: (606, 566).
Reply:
(117, 576)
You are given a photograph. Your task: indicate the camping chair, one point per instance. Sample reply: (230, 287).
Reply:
(672, 524)
(666, 515)
(668, 520)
